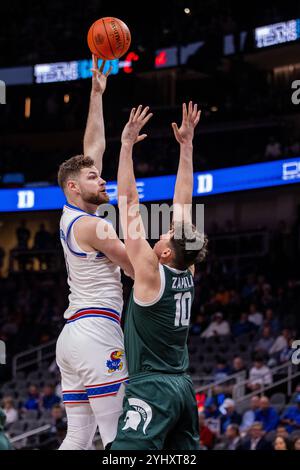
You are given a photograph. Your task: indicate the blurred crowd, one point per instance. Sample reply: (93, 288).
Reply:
(36, 34)
(157, 156)
(253, 309)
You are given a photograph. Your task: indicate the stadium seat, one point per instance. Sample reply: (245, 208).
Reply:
(270, 436)
(295, 434)
(278, 399)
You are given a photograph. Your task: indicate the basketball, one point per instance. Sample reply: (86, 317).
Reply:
(109, 38)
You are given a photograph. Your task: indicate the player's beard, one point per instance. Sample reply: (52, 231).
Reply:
(97, 199)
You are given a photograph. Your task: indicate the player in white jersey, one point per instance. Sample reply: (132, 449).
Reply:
(90, 349)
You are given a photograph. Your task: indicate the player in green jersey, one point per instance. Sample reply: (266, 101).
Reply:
(160, 409)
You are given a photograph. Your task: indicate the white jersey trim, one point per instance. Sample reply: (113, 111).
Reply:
(161, 291)
(176, 271)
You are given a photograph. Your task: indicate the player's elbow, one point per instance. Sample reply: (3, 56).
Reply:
(127, 200)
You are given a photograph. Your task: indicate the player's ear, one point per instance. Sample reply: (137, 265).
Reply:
(72, 186)
(166, 253)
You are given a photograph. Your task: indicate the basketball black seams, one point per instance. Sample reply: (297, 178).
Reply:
(124, 37)
(106, 58)
(108, 40)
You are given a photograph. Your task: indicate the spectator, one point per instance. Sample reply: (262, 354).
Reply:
(23, 236)
(238, 365)
(200, 399)
(218, 394)
(33, 400)
(280, 343)
(287, 352)
(281, 443)
(256, 439)
(259, 375)
(222, 296)
(49, 399)
(199, 325)
(267, 415)
(282, 432)
(271, 321)
(211, 409)
(212, 416)
(233, 438)
(291, 417)
(54, 437)
(4, 442)
(42, 239)
(230, 415)
(249, 288)
(249, 415)
(243, 326)
(2, 255)
(221, 371)
(296, 444)
(273, 149)
(206, 436)
(218, 327)
(255, 316)
(10, 411)
(266, 341)
(296, 392)
(58, 391)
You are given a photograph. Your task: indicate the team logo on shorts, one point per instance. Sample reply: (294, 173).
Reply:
(115, 362)
(142, 412)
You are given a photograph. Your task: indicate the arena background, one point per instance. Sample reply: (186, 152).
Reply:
(240, 62)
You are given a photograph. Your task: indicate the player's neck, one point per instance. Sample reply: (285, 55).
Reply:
(171, 265)
(84, 206)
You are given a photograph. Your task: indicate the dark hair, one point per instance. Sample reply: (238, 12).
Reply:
(186, 233)
(235, 428)
(70, 168)
(287, 442)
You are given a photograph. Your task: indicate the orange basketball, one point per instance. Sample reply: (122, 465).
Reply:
(109, 38)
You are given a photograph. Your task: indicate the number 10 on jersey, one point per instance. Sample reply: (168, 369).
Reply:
(183, 308)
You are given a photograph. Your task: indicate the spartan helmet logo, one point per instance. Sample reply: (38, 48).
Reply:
(143, 412)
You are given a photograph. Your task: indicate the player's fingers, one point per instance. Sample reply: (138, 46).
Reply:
(190, 108)
(109, 71)
(144, 112)
(147, 118)
(176, 131)
(184, 112)
(197, 119)
(95, 61)
(194, 113)
(102, 66)
(138, 112)
(141, 137)
(95, 71)
(132, 113)
(175, 127)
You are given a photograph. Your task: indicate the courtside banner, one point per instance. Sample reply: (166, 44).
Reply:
(240, 178)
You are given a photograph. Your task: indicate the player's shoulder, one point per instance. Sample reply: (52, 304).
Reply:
(90, 226)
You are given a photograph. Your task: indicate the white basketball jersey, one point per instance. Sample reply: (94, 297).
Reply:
(93, 279)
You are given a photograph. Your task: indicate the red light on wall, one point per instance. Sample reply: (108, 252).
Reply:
(131, 57)
(161, 59)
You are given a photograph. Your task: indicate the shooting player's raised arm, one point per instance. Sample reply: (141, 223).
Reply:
(94, 137)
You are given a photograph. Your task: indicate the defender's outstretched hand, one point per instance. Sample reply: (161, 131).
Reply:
(190, 119)
(137, 120)
(99, 78)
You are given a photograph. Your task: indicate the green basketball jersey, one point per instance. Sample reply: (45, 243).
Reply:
(156, 334)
